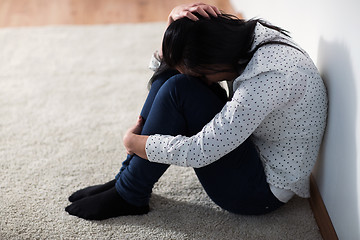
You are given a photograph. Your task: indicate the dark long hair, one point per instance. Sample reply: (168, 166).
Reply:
(210, 44)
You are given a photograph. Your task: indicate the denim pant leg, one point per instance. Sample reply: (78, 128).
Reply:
(155, 86)
(236, 182)
(173, 104)
(125, 182)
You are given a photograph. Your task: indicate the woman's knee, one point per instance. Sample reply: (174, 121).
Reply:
(180, 89)
(182, 82)
(183, 103)
(183, 86)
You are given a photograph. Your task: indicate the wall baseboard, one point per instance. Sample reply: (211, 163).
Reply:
(321, 215)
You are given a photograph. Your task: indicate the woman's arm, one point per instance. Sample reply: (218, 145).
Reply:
(227, 130)
(237, 120)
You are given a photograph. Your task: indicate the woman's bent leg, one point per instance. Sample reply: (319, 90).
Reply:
(156, 85)
(173, 105)
(168, 115)
(102, 201)
(92, 190)
(237, 181)
(183, 106)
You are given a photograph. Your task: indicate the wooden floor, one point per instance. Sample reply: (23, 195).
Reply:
(15, 13)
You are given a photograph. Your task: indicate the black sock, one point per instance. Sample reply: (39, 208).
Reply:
(104, 205)
(92, 190)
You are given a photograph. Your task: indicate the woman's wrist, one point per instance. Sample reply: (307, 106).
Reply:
(135, 144)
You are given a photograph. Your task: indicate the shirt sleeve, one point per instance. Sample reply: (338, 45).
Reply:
(253, 100)
(154, 63)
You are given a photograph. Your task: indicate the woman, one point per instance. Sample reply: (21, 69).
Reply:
(253, 150)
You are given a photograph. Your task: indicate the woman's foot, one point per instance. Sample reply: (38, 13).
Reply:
(92, 190)
(104, 205)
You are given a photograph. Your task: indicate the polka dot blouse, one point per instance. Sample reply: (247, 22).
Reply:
(279, 101)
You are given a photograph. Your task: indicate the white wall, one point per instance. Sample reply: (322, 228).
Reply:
(329, 31)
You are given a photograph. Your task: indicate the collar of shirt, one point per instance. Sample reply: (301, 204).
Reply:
(261, 34)
(265, 34)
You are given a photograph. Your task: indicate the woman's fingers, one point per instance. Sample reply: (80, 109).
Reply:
(182, 11)
(139, 125)
(188, 11)
(200, 10)
(205, 9)
(189, 15)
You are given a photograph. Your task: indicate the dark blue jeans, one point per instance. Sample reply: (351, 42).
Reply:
(182, 105)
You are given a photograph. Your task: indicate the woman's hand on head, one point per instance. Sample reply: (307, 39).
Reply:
(188, 10)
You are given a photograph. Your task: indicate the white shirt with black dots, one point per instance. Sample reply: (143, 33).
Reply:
(279, 101)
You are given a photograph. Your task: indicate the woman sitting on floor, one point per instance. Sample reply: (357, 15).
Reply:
(252, 150)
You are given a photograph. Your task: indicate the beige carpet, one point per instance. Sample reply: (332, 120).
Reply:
(67, 94)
